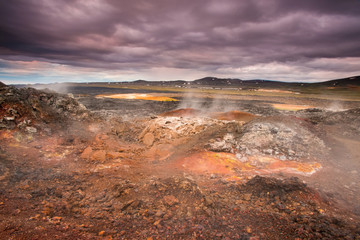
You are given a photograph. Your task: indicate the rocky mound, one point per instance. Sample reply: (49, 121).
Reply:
(28, 108)
(286, 137)
(348, 121)
(169, 129)
(234, 115)
(272, 136)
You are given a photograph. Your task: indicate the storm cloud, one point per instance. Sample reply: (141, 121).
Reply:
(167, 39)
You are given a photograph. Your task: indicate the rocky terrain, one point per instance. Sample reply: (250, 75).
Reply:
(25, 109)
(136, 169)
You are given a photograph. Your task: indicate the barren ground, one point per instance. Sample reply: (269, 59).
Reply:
(208, 166)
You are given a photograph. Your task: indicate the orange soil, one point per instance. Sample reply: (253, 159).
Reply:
(227, 163)
(233, 115)
(211, 162)
(291, 107)
(275, 91)
(184, 112)
(6, 135)
(229, 116)
(137, 96)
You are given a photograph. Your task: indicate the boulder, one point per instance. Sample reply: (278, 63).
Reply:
(148, 139)
(86, 154)
(99, 156)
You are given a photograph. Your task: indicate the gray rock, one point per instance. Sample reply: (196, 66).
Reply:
(291, 152)
(9, 118)
(255, 151)
(281, 136)
(268, 151)
(31, 130)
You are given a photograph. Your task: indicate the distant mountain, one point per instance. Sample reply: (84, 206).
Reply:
(343, 82)
(140, 82)
(234, 82)
(213, 81)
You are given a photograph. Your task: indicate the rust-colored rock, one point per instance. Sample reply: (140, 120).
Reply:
(99, 156)
(114, 155)
(170, 200)
(86, 154)
(234, 115)
(148, 139)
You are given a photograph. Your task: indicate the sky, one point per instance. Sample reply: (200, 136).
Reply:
(43, 41)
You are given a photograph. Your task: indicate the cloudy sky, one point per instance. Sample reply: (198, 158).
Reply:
(118, 40)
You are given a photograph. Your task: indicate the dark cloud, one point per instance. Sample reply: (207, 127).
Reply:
(196, 34)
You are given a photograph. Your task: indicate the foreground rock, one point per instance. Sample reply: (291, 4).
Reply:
(286, 137)
(28, 108)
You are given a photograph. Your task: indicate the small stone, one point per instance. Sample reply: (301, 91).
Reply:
(247, 196)
(57, 218)
(99, 156)
(170, 200)
(31, 130)
(157, 222)
(86, 154)
(208, 201)
(9, 118)
(268, 151)
(229, 137)
(114, 155)
(148, 139)
(282, 158)
(159, 213)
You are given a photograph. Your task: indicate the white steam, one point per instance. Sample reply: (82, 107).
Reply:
(207, 103)
(56, 87)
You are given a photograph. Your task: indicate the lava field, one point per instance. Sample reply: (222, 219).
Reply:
(163, 165)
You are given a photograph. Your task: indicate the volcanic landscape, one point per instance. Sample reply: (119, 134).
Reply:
(207, 159)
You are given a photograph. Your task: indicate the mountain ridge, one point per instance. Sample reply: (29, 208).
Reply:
(226, 82)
